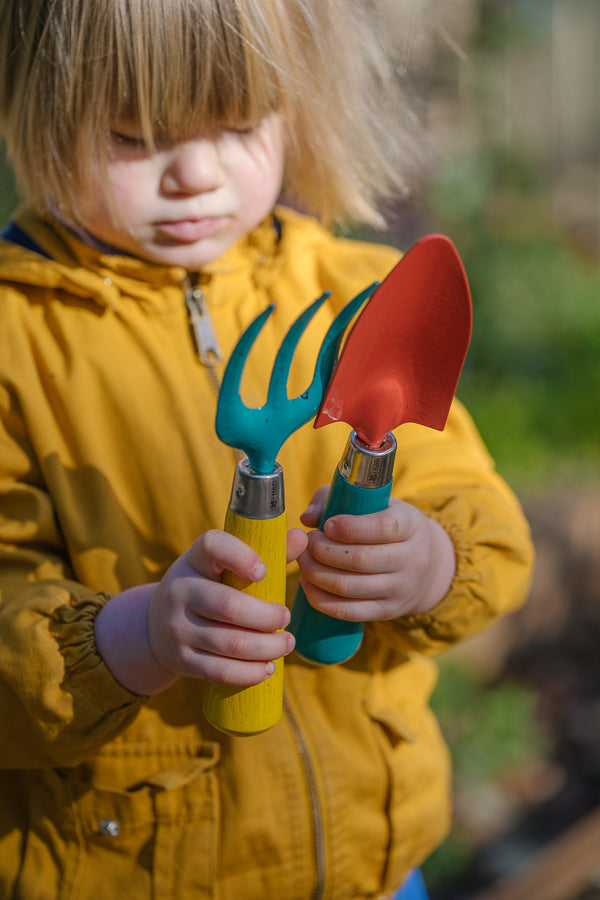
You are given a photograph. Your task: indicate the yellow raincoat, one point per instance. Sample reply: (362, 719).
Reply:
(109, 469)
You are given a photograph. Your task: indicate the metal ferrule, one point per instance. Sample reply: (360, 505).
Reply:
(368, 467)
(255, 496)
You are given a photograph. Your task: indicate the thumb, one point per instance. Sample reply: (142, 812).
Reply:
(297, 543)
(311, 515)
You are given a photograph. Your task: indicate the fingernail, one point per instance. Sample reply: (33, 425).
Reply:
(259, 571)
(270, 667)
(330, 527)
(291, 642)
(287, 617)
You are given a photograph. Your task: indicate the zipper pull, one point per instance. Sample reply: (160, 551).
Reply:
(205, 338)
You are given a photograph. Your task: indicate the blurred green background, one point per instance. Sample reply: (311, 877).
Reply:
(513, 118)
(519, 192)
(512, 175)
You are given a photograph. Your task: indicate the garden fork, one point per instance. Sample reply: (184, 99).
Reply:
(256, 512)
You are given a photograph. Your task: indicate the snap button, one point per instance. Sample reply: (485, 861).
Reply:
(109, 828)
(108, 281)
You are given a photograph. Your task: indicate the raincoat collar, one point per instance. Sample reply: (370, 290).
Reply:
(41, 251)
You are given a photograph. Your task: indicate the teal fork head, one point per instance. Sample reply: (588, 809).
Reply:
(261, 431)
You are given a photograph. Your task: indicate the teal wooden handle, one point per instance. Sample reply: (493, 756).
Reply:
(320, 638)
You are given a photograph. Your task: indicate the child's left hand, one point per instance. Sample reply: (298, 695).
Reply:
(376, 566)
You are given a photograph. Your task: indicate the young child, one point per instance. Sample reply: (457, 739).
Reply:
(152, 141)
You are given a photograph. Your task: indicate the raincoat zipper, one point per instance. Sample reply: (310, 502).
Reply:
(205, 339)
(315, 803)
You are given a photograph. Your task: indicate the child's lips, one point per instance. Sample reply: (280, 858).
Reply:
(187, 231)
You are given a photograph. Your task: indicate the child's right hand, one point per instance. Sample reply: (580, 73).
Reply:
(201, 628)
(189, 624)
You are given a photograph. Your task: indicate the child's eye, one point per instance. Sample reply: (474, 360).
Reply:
(244, 128)
(128, 140)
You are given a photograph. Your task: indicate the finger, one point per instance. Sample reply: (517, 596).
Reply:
(297, 542)
(372, 558)
(216, 551)
(350, 585)
(396, 523)
(218, 602)
(311, 515)
(217, 652)
(234, 672)
(346, 609)
(214, 638)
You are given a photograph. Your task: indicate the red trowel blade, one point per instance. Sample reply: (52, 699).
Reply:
(403, 358)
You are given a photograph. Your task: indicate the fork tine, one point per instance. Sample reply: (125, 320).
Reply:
(233, 372)
(281, 366)
(261, 431)
(328, 352)
(228, 426)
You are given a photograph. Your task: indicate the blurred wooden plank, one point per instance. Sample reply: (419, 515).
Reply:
(561, 871)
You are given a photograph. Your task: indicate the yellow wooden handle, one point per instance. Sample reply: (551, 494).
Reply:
(250, 710)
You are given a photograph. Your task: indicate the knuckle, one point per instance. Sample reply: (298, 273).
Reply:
(392, 528)
(239, 645)
(360, 587)
(176, 630)
(362, 558)
(210, 540)
(379, 610)
(340, 585)
(226, 672)
(339, 611)
(234, 673)
(188, 663)
(231, 606)
(344, 611)
(176, 597)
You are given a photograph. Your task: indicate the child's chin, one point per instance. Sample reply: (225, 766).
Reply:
(175, 257)
(189, 256)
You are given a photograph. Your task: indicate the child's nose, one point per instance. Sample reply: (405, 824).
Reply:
(193, 166)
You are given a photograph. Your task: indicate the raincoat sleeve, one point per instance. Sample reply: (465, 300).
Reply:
(58, 700)
(451, 477)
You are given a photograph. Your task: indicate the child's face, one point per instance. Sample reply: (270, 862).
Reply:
(185, 203)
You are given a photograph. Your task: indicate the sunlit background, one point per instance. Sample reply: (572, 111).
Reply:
(511, 111)
(513, 176)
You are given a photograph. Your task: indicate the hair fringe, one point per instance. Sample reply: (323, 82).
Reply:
(336, 69)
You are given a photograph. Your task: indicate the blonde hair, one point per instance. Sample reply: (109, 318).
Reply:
(333, 68)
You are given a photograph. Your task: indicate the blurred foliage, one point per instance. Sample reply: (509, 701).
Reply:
(491, 731)
(532, 376)
(531, 380)
(532, 368)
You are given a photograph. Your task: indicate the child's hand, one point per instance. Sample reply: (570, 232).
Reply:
(377, 566)
(204, 629)
(189, 624)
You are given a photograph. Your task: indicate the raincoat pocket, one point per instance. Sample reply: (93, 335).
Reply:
(142, 823)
